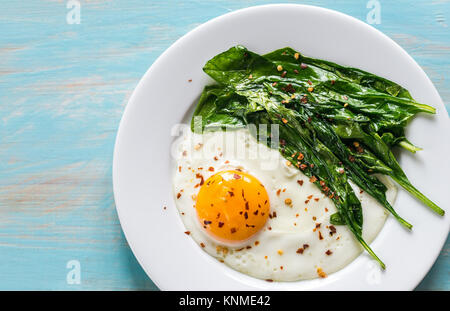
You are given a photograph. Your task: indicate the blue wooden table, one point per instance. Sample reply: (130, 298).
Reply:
(67, 70)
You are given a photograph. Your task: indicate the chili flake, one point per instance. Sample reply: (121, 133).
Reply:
(320, 273)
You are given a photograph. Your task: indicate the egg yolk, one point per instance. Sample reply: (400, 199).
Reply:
(232, 206)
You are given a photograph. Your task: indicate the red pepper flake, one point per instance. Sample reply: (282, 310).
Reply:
(333, 82)
(328, 252)
(207, 222)
(320, 236)
(295, 71)
(284, 120)
(300, 156)
(309, 82)
(300, 182)
(246, 215)
(236, 176)
(303, 167)
(351, 158)
(316, 199)
(269, 280)
(303, 66)
(256, 243)
(190, 80)
(290, 89)
(179, 169)
(274, 84)
(221, 224)
(184, 153)
(310, 197)
(211, 169)
(178, 195)
(320, 273)
(332, 230)
(187, 232)
(305, 246)
(233, 230)
(300, 251)
(318, 225)
(307, 201)
(284, 74)
(278, 191)
(202, 244)
(304, 99)
(198, 175)
(313, 179)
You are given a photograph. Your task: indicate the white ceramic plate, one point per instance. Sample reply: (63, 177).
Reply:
(142, 159)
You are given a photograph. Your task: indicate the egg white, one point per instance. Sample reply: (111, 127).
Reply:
(276, 256)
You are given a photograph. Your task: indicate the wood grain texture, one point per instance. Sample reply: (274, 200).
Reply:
(63, 89)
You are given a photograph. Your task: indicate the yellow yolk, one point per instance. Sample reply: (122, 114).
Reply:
(232, 206)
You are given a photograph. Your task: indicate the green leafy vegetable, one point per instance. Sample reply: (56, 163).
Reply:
(344, 122)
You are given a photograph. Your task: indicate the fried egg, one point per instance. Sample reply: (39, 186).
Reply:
(245, 205)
